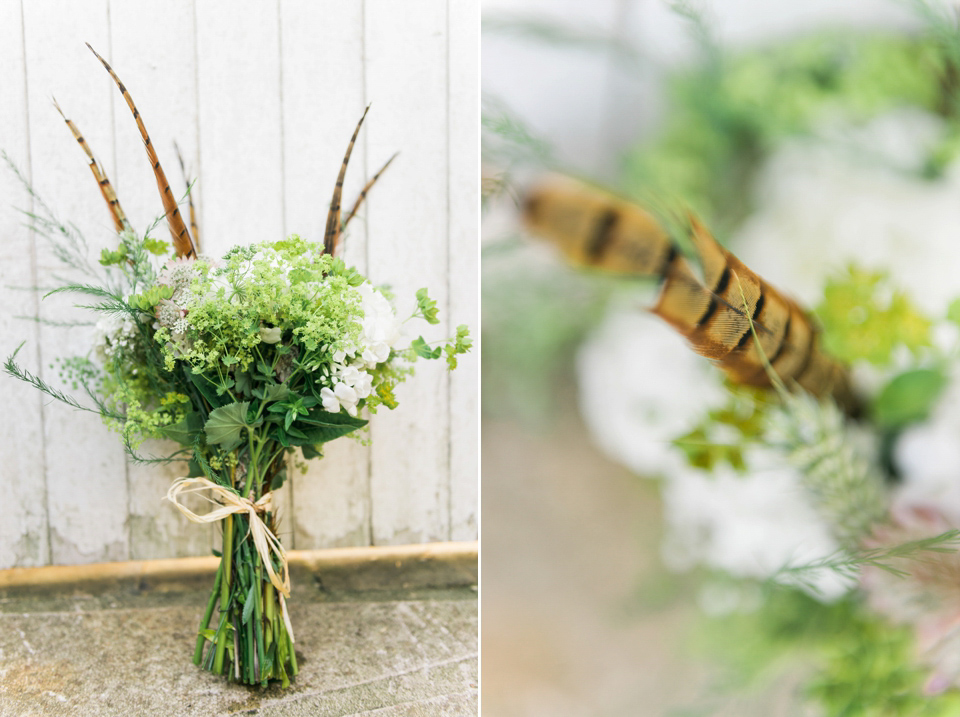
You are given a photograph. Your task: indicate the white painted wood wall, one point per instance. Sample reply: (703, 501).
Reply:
(262, 98)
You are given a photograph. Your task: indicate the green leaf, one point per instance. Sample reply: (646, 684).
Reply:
(226, 423)
(185, 431)
(310, 452)
(908, 397)
(385, 392)
(320, 426)
(953, 312)
(243, 382)
(158, 247)
(225, 386)
(864, 316)
(249, 603)
(278, 479)
(427, 306)
(109, 258)
(301, 275)
(207, 389)
(275, 392)
(460, 345)
(423, 350)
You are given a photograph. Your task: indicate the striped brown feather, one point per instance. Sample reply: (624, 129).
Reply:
(194, 229)
(106, 189)
(715, 312)
(331, 235)
(361, 197)
(178, 230)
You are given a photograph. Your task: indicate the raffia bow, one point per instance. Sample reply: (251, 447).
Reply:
(266, 543)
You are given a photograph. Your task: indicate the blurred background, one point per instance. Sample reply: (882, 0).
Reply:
(806, 134)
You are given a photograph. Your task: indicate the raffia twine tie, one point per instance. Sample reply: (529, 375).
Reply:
(266, 543)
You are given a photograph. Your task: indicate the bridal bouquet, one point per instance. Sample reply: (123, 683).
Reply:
(240, 359)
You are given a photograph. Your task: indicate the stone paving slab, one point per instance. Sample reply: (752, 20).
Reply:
(410, 653)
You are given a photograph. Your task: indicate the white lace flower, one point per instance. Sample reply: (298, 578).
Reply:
(113, 331)
(749, 525)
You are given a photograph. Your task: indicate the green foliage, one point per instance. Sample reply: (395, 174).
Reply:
(461, 344)
(321, 427)
(185, 430)
(872, 673)
(422, 349)
(907, 398)
(731, 110)
(112, 258)
(741, 421)
(427, 307)
(846, 489)
(865, 318)
(292, 408)
(226, 423)
(863, 666)
(157, 247)
(149, 298)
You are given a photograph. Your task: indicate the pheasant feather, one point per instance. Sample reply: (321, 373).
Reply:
(182, 242)
(106, 189)
(714, 313)
(363, 194)
(331, 235)
(194, 229)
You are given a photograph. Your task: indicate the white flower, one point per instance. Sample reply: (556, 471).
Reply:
(113, 331)
(928, 456)
(270, 335)
(822, 204)
(341, 396)
(641, 387)
(380, 328)
(749, 525)
(360, 381)
(178, 273)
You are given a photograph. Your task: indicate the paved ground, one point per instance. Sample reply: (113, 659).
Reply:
(410, 653)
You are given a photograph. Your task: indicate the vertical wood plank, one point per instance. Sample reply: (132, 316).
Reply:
(463, 44)
(86, 477)
(241, 141)
(406, 77)
(23, 529)
(322, 58)
(161, 78)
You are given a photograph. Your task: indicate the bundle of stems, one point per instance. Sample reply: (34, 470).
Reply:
(250, 641)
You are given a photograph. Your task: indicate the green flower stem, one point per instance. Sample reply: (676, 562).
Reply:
(198, 652)
(251, 665)
(293, 654)
(224, 591)
(257, 612)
